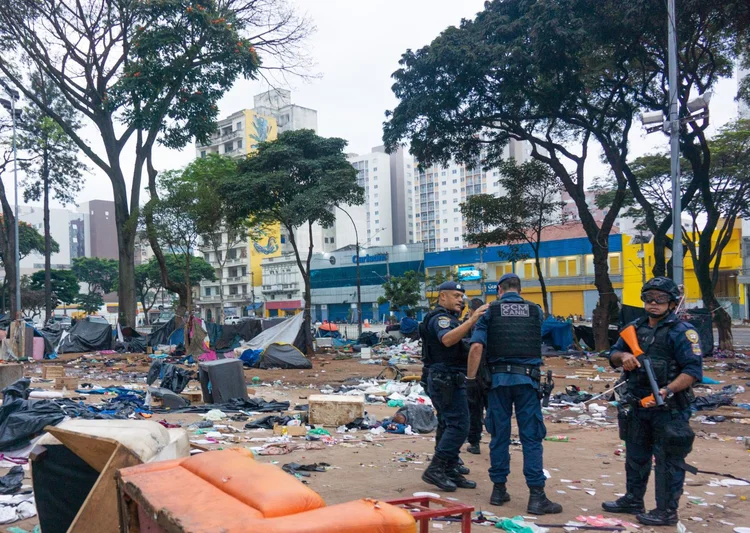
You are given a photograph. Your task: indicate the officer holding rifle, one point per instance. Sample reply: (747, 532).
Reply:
(654, 420)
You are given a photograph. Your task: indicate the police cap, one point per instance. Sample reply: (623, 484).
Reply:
(663, 284)
(506, 277)
(451, 286)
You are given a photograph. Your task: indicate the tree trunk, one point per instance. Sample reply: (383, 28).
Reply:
(607, 304)
(8, 246)
(542, 283)
(719, 317)
(307, 322)
(47, 252)
(126, 298)
(221, 298)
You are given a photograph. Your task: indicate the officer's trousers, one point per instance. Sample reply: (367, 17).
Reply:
(531, 428)
(477, 404)
(644, 442)
(453, 414)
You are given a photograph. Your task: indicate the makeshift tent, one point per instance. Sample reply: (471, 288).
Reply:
(132, 341)
(229, 336)
(557, 334)
(629, 313)
(290, 331)
(586, 335)
(281, 355)
(161, 334)
(52, 334)
(87, 336)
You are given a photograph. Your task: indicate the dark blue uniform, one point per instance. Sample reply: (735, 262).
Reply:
(447, 387)
(674, 348)
(508, 390)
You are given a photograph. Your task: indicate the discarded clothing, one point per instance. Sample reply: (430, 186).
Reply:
(19, 507)
(297, 469)
(22, 419)
(267, 422)
(172, 377)
(257, 405)
(712, 401)
(11, 482)
(420, 417)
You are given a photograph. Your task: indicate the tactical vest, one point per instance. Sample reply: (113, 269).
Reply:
(514, 332)
(656, 347)
(437, 352)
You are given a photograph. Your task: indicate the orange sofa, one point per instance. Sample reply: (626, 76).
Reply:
(228, 491)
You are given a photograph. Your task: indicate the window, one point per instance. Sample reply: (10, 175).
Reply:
(233, 290)
(454, 229)
(206, 257)
(455, 191)
(455, 181)
(377, 222)
(376, 204)
(566, 266)
(445, 240)
(455, 171)
(326, 240)
(443, 183)
(208, 291)
(614, 264)
(331, 240)
(375, 186)
(455, 209)
(445, 221)
(238, 126)
(503, 268)
(229, 147)
(239, 143)
(445, 202)
(203, 153)
(377, 239)
(456, 239)
(375, 169)
(455, 200)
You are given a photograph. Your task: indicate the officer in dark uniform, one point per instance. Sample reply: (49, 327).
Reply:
(673, 347)
(477, 394)
(446, 383)
(511, 334)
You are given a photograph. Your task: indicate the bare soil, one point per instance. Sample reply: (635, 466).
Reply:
(391, 466)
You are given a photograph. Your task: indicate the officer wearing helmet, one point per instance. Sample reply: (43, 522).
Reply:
(442, 333)
(650, 431)
(511, 335)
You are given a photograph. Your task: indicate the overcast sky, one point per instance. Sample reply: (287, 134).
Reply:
(356, 48)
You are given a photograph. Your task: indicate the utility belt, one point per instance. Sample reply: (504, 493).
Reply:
(445, 383)
(679, 402)
(531, 371)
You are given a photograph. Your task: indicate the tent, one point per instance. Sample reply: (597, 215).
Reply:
(557, 334)
(282, 355)
(87, 336)
(290, 331)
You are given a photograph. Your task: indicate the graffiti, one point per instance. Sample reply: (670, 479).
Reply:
(270, 247)
(262, 129)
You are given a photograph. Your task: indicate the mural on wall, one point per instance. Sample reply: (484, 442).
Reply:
(262, 131)
(265, 244)
(270, 247)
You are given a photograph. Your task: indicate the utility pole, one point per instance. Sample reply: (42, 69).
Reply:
(359, 279)
(252, 291)
(674, 134)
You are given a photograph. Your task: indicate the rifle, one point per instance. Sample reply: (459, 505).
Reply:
(630, 336)
(547, 387)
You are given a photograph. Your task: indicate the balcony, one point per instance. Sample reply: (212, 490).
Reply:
(238, 279)
(281, 287)
(237, 261)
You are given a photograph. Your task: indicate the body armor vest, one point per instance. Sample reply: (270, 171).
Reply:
(656, 347)
(434, 351)
(514, 332)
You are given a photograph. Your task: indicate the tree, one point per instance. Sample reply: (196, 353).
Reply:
(296, 180)
(402, 292)
(142, 72)
(90, 303)
(64, 286)
(52, 163)
(100, 274)
(147, 285)
(194, 191)
(31, 242)
(557, 76)
(32, 301)
(530, 206)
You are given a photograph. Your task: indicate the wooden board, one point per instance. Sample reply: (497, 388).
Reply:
(53, 371)
(66, 383)
(98, 512)
(194, 396)
(96, 451)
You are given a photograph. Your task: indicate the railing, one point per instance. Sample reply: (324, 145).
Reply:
(238, 279)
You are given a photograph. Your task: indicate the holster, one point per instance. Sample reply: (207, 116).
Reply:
(444, 384)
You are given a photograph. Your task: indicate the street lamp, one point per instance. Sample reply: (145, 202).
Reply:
(359, 280)
(11, 106)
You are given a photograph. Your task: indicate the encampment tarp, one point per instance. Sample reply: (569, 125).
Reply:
(282, 355)
(161, 334)
(557, 334)
(289, 331)
(87, 336)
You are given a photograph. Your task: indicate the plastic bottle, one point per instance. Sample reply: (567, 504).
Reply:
(557, 438)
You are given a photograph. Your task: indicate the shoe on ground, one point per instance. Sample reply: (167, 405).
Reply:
(436, 475)
(460, 481)
(627, 504)
(539, 504)
(474, 448)
(658, 517)
(499, 494)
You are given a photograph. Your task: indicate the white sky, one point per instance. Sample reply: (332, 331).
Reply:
(356, 48)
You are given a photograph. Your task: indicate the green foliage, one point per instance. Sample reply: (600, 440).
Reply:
(100, 274)
(51, 155)
(65, 286)
(31, 240)
(200, 269)
(32, 299)
(295, 180)
(402, 292)
(90, 303)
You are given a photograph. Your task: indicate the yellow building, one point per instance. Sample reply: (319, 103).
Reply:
(729, 291)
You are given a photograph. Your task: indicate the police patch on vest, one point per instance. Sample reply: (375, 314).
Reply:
(696, 349)
(692, 335)
(514, 310)
(444, 322)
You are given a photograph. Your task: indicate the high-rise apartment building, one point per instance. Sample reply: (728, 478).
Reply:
(277, 103)
(440, 191)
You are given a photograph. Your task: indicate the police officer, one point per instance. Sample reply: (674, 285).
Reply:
(673, 346)
(477, 393)
(446, 382)
(511, 334)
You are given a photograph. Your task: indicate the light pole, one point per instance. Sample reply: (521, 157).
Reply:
(674, 137)
(14, 96)
(359, 279)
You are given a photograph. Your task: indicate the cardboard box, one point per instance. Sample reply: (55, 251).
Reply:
(292, 431)
(53, 371)
(332, 410)
(67, 383)
(193, 396)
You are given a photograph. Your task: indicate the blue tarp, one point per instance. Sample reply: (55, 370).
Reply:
(251, 357)
(556, 333)
(408, 325)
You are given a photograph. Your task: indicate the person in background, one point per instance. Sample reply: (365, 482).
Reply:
(477, 391)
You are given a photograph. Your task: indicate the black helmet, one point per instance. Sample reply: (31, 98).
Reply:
(660, 283)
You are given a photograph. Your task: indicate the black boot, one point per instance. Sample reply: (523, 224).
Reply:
(658, 517)
(456, 477)
(540, 504)
(627, 504)
(499, 494)
(436, 475)
(474, 448)
(463, 470)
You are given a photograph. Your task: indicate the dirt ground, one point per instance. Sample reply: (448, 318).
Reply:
(585, 471)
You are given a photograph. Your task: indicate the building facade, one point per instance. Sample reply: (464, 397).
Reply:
(277, 103)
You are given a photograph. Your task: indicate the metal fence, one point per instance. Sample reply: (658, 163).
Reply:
(731, 305)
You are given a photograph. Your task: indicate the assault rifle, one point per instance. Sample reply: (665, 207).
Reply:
(630, 336)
